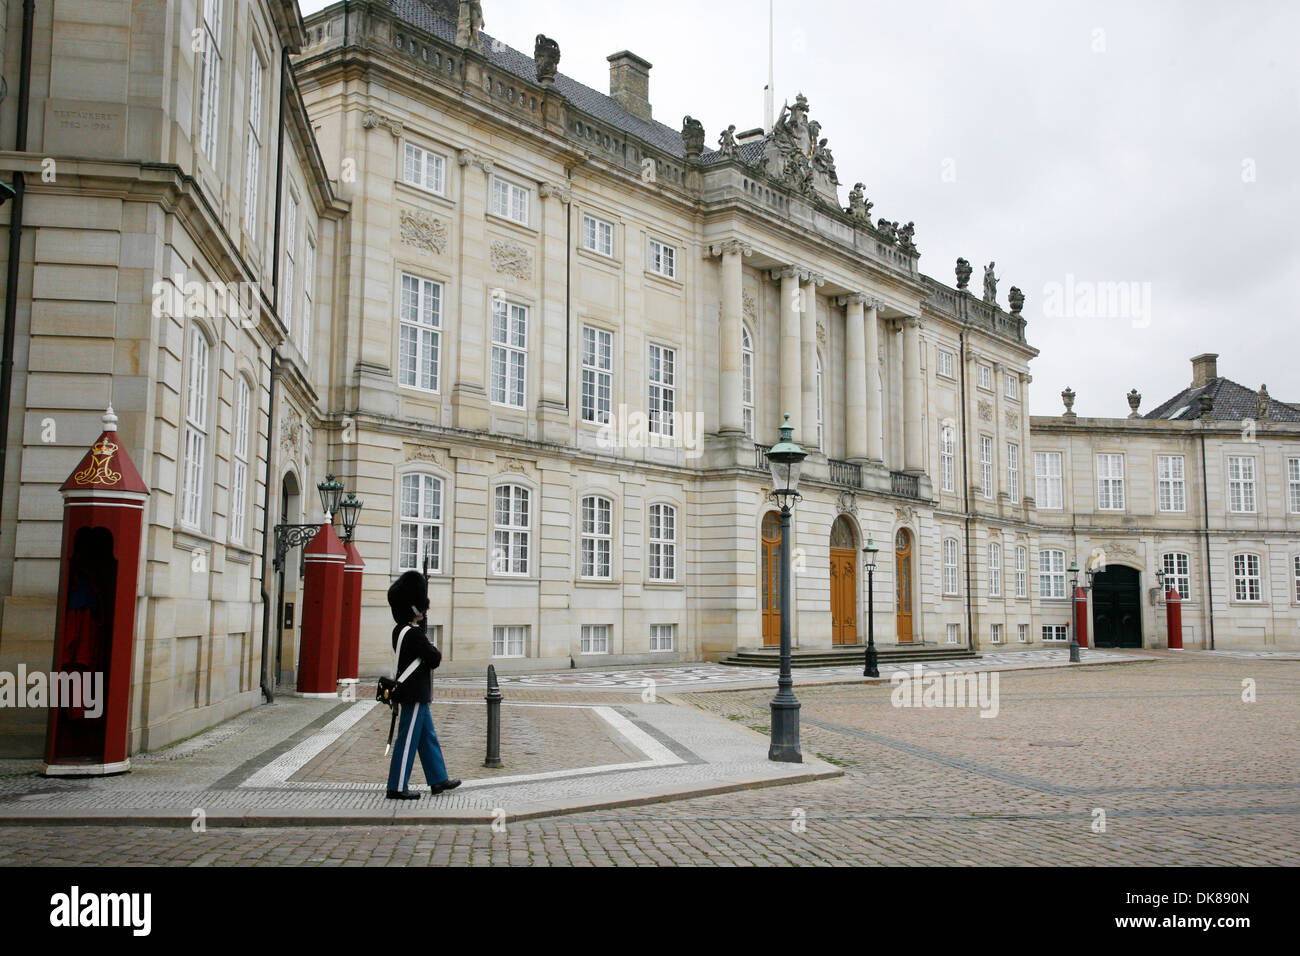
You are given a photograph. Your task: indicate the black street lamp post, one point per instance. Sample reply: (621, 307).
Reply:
(785, 460)
(872, 667)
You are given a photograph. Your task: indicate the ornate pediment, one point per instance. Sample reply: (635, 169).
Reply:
(798, 157)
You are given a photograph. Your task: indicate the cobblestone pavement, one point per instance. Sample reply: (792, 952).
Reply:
(1185, 771)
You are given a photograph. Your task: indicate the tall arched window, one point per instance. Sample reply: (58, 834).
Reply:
(195, 448)
(747, 378)
(820, 417)
(511, 532)
(597, 536)
(663, 543)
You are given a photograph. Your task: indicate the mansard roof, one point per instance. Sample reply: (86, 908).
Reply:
(1231, 402)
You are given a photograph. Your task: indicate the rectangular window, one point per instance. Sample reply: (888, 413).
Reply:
(597, 235)
(663, 389)
(995, 570)
(308, 313)
(597, 375)
(1245, 577)
(420, 526)
(663, 543)
(253, 144)
(239, 478)
(209, 37)
(947, 444)
(1295, 573)
(984, 376)
(1022, 572)
(1051, 574)
(1022, 633)
(945, 364)
(986, 466)
(663, 259)
(747, 378)
(1013, 471)
(1013, 386)
(1177, 567)
(1172, 487)
(995, 635)
(1293, 485)
(1047, 480)
(1054, 632)
(509, 353)
(953, 634)
(510, 641)
(595, 639)
(663, 637)
(1241, 484)
(597, 536)
(196, 431)
(1110, 482)
(949, 565)
(420, 345)
(424, 170)
(510, 201)
(435, 635)
(290, 254)
(511, 530)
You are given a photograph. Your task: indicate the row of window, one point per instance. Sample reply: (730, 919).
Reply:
(953, 635)
(983, 374)
(1171, 484)
(948, 470)
(513, 640)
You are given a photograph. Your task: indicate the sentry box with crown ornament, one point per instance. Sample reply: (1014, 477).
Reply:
(94, 626)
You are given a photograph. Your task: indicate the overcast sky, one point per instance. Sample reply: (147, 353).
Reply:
(1155, 144)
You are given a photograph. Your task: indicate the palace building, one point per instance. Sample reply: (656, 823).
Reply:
(547, 339)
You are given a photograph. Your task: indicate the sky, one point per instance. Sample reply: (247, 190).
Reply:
(1133, 167)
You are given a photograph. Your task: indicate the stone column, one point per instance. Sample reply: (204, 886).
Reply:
(913, 436)
(875, 418)
(790, 389)
(731, 416)
(468, 395)
(552, 340)
(808, 356)
(855, 378)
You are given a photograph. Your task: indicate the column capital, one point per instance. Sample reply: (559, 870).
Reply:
(1025, 378)
(853, 298)
(467, 157)
(729, 247)
(785, 272)
(814, 278)
(561, 191)
(372, 120)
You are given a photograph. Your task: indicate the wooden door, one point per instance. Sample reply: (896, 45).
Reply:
(771, 564)
(903, 577)
(1117, 608)
(844, 583)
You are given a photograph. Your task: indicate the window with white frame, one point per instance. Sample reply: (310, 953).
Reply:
(995, 570)
(595, 639)
(747, 378)
(995, 634)
(1177, 566)
(597, 375)
(253, 141)
(1022, 572)
(597, 235)
(434, 631)
(420, 523)
(663, 543)
(1171, 484)
(1293, 485)
(1051, 573)
(510, 201)
(419, 357)
(1054, 632)
(1013, 386)
(663, 637)
(949, 566)
(209, 39)
(239, 471)
(986, 466)
(509, 353)
(984, 376)
(424, 169)
(1110, 482)
(1241, 484)
(663, 389)
(1047, 480)
(597, 536)
(1295, 574)
(308, 311)
(1245, 577)
(509, 640)
(1013, 471)
(945, 363)
(663, 259)
(1022, 633)
(196, 430)
(290, 255)
(821, 433)
(953, 633)
(947, 446)
(511, 530)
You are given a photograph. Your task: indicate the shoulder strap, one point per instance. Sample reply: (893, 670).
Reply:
(410, 668)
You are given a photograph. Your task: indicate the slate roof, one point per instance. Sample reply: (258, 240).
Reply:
(423, 16)
(1232, 403)
(750, 153)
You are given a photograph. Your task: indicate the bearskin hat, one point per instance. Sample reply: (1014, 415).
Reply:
(408, 597)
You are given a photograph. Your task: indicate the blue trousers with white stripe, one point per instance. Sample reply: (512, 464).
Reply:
(415, 734)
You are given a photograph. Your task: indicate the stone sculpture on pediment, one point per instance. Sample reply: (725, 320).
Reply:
(888, 231)
(727, 141)
(905, 235)
(859, 208)
(797, 157)
(990, 284)
(692, 136)
(546, 54)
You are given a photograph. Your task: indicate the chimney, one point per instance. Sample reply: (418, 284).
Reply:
(629, 83)
(1205, 368)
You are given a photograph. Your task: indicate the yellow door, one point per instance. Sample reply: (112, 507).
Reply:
(903, 575)
(844, 583)
(771, 561)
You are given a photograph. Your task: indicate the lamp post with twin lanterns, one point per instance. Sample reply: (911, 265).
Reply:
(872, 668)
(1078, 606)
(785, 460)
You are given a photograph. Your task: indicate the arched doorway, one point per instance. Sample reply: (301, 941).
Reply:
(844, 582)
(771, 564)
(903, 579)
(1117, 607)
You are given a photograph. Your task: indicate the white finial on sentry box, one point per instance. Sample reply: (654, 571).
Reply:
(110, 419)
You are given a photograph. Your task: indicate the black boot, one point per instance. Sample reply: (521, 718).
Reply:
(404, 794)
(446, 785)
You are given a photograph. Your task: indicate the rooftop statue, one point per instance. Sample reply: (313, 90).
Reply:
(797, 157)
(1016, 298)
(888, 230)
(859, 206)
(469, 23)
(727, 141)
(905, 235)
(546, 53)
(990, 285)
(692, 136)
(963, 274)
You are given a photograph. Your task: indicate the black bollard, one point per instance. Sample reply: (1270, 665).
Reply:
(493, 699)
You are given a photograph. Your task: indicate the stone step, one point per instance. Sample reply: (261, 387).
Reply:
(845, 655)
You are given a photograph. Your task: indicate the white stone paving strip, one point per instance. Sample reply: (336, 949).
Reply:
(279, 770)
